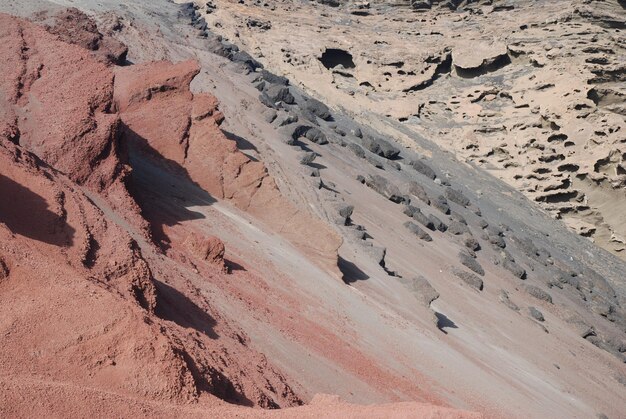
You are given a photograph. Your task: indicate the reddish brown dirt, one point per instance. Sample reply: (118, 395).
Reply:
(161, 116)
(90, 325)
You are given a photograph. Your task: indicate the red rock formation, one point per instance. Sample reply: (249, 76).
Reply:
(75, 27)
(75, 287)
(207, 248)
(162, 116)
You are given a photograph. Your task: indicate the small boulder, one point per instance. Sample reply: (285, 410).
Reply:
(278, 93)
(469, 278)
(385, 188)
(441, 203)
(457, 228)
(307, 157)
(418, 191)
(538, 293)
(316, 136)
(421, 4)
(207, 248)
(415, 229)
(471, 243)
(457, 197)
(289, 119)
(424, 291)
(421, 167)
(439, 225)
(273, 78)
(423, 219)
(345, 212)
(270, 116)
(318, 109)
(514, 268)
(357, 150)
(377, 254)
(471, 263)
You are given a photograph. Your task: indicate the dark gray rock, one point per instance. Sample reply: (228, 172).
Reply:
(279, 93)
(262, 25)
(415, 229)
(310, 133)
(340, 132)
(273, 78)
(423, 219)
(421, 4)
(458, 228)
(538, 293)
(318, 109)
(289, 119)
(374, 161)
(385, 188)
(458, 217)
(377, 254)
(380, 147)
(441, 203)
(514, 268)
(409, 210)
(471, 263)
(471, 243)
(265, 100)
(439, 225)
(469, 278)
(345, 212)
(418, 191)
(357, 150)
(246, 59)
(457, 197)
(496, 240)
(270, 116)
(421, 167)
(526, 246)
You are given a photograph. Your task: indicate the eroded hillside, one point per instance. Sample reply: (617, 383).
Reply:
(187, 231)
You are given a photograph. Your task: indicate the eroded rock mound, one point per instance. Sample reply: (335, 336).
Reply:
(210, 249)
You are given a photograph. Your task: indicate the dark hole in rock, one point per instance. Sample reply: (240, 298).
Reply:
(334, 57)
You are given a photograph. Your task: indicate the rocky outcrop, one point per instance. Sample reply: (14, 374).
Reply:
(161, 117)
(66, 117)
(75, 27)
(77, 273)
(210, 249)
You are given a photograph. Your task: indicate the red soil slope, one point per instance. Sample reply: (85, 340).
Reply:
(90, 325)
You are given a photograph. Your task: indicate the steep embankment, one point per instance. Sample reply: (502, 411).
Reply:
(206, 264)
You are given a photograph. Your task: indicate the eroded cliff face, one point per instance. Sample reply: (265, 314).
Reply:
(76, 287)
(532, 92)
